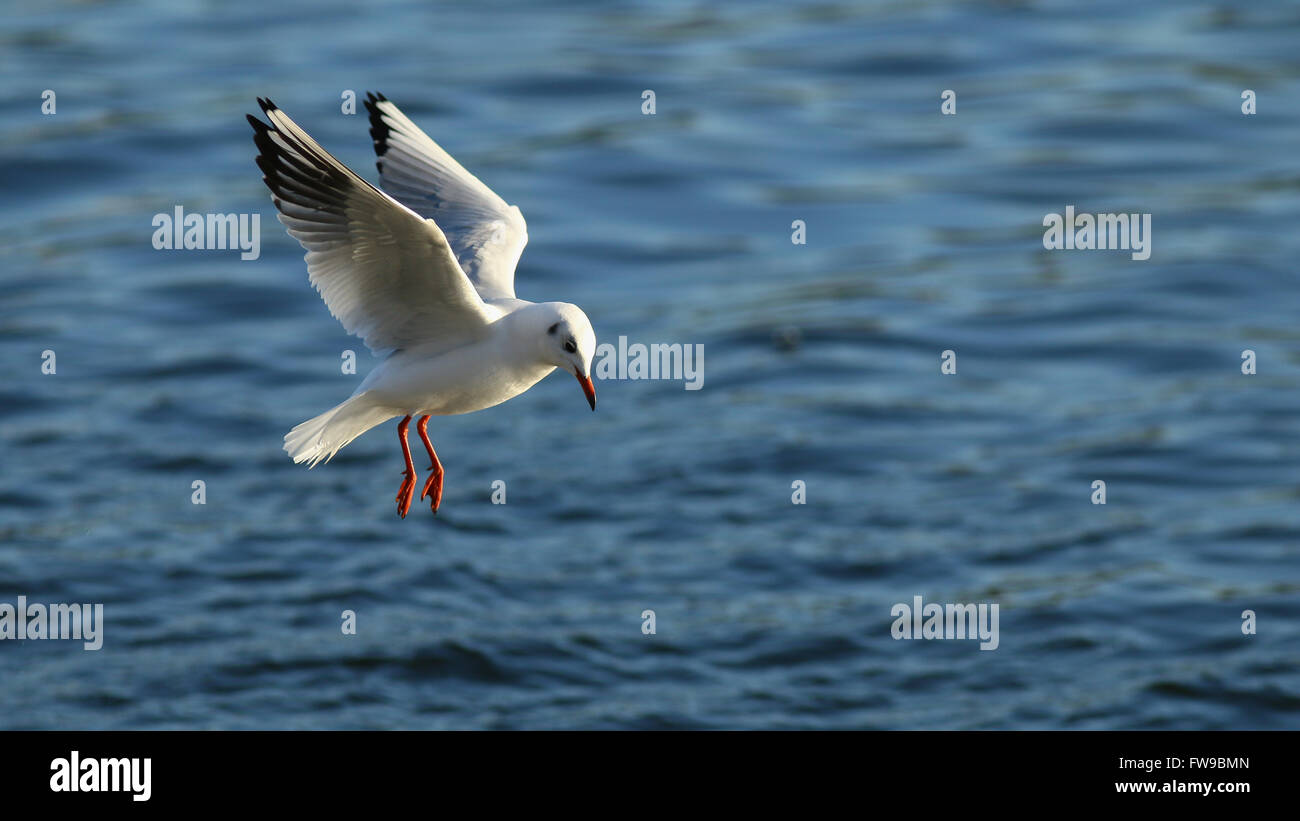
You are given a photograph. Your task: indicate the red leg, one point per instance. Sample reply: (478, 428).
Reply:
(407, 492)
(432, 485)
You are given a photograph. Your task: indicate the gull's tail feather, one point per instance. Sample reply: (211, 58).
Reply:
(323, 436)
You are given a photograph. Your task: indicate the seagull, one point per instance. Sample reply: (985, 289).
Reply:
(423, 272)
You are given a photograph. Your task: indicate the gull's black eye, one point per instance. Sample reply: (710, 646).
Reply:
(551, 330)
(570, 346)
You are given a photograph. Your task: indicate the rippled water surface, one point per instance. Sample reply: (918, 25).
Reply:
(924, 234)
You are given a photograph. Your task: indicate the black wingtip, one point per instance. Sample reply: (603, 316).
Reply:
(294, 172)
(378, 128)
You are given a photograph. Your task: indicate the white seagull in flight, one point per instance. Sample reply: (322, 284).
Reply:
(424, 275)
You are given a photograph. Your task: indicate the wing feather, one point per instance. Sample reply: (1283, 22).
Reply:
(388, 274)
(486, 235)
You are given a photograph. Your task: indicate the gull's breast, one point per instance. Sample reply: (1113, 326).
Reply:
(463, 380)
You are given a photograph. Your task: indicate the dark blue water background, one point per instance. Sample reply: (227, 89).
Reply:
(924, 235)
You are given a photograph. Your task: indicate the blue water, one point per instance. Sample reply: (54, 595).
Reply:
(822, 365)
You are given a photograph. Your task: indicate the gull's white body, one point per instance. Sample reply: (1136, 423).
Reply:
(428, 380)
(462, 380)
(440, 307)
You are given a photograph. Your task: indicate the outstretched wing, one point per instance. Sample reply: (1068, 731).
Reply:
(486, 234)
(385, 272)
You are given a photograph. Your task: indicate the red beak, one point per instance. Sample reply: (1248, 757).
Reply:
(588, 388)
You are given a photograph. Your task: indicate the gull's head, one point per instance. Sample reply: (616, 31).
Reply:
(570, 343)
